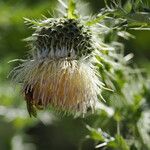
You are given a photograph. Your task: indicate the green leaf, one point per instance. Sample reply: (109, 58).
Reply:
(140, 17)
(71, 10)
(32, 22)
(122, 144)
(119, 143)
(128, 7)
(95, 134)
(97, 19)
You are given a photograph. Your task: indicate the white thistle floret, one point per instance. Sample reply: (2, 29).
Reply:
(70, 85)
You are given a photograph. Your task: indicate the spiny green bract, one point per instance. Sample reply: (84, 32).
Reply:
(62, 38)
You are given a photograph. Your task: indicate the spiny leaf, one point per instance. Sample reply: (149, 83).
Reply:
(72, 9)
(97, 19)
(132, 12)
(32, 22)
(127, 7)
(139, 17)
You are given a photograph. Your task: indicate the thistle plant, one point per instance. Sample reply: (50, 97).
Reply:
(70, 62)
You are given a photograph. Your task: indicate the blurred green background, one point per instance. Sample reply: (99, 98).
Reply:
(48, 131)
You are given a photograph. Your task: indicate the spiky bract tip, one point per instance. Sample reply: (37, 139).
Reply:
(61, 38)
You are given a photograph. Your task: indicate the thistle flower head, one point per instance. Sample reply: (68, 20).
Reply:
(60, 71)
